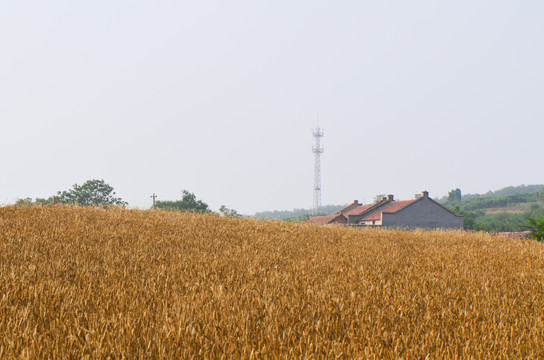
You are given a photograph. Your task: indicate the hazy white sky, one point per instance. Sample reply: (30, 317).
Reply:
(219, 98)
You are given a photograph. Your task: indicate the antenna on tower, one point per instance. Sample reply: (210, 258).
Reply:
(317, 149)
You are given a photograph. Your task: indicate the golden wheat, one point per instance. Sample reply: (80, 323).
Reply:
(90, 283)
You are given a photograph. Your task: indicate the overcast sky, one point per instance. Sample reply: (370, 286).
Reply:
(220, 97)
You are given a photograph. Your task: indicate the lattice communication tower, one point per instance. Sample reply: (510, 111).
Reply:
(317, 149)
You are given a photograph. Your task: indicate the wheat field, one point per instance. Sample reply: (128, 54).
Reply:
(94, 283)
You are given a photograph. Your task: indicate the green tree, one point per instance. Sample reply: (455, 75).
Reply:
(24, 202)
(44, 201)
(296, 213)
(536, 227)
(225, 211)
(297, 219)
(91, 193)
(188, 202)
(39, 201)
(469, 217)
(454, 195)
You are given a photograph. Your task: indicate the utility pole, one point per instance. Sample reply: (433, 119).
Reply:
(154, 196)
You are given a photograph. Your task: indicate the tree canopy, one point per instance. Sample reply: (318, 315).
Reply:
(29, 202)
(188, 202)
(454, 195)
(225, 211)
(91, 193)
(536, 227)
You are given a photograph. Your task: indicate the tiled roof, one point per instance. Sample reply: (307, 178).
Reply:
(370, 209)
(322, 220)
(515, 235)
(349, 207)
(345, 207)
(358, 210)
(376, 216)
(319, 219)
(392, 207)
(399, 205)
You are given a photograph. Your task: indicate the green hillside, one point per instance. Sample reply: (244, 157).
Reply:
(507, 191)
(296, 214)
(503, 210)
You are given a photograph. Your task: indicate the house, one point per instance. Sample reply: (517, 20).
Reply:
(421, 212)
(336, 218)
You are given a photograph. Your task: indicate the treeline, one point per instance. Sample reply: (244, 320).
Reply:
(97, 193)
(510, 222)
(189, 203)
(480, 203)
(495, 211)
(296, 214)
(507, 191)
(91, 193)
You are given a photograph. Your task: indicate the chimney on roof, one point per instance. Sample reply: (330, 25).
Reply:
(390, 197)
(356, 202)
(425, 193)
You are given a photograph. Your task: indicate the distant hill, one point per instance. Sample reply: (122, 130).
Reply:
(509, 190)
(300, 214)
(509, 197)
(503, 210)
(510, 201)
